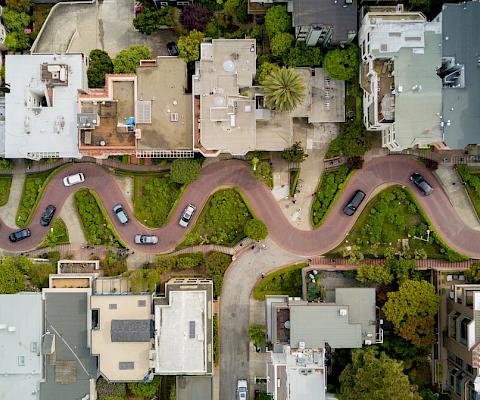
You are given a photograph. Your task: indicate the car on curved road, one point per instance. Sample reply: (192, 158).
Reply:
(20, 235)
(354, 203)
(74, 179)
(420, 182)
(187, 215)
(119, 211)
(146, 239)
(47, 215)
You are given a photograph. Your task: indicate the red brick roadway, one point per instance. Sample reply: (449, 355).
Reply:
(235, 173)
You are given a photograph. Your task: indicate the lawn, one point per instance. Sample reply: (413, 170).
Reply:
(58, 234)
(5, 183)
(221, 222)
(393, 215)
(96, 225)
(154, 198)
(472, 179)
(32, 191)
(263, 172)
(287, 281)
(329, 188)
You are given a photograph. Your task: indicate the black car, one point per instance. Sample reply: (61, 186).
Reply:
(172, 49)
(420, 182)
(19, 235)
(354, 202)
(47, 215)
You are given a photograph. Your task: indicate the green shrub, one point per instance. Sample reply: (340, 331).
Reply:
(39, 274)
(181, 261)
(111, 391)
(353, 140)
(256, 229)
(294, 175)
(145, 389)
(473, 273)
(185, 171)
(277, 20)
(287, 281)
(380, 274)
(263, 172)
(32, 189)
(5, 184)
(5, 164)
(257, 335)
(13, 280)
(216, 264)
(58, 234)
(113, 265)
(216, 342)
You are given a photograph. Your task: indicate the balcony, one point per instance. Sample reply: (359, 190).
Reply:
(385, 87)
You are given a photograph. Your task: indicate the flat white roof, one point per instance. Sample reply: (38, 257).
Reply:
(180, 333)
(41, 117)
(20, 345)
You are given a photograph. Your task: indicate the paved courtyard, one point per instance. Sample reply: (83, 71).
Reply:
(106, 25)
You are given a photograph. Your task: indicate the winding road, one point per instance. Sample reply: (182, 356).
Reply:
(235, 173)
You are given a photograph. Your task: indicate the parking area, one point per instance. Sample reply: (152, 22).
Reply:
(106, 25)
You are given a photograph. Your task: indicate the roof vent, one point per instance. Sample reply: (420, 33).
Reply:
(228, 66)
(173, 117)
(343, 312)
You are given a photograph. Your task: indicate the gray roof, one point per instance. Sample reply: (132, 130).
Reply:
(340, 15)
(66, 317)
(20, 336)
(131, 330)
(460, 23)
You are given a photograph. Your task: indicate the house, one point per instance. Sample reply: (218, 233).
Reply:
(461, 341)
(21, 369)
(402, 93)
(303, 335)
(41, 106)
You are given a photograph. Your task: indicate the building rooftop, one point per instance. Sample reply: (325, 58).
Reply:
(121, 335)
(70, 368)
(163, 106)
(461, 106)
(41, 108)
(20, 341)
(227, 114)
(183, 329)
(342, 15)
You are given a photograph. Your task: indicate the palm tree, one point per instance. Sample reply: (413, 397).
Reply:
(284, 89)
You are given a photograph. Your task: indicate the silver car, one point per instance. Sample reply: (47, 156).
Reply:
(146, 239)
(119, 211)
(187, 215)
(242, 389)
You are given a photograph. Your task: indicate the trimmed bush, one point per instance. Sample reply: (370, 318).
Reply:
(287, 281)
(256, 229)
(216, 264)
(185, 171)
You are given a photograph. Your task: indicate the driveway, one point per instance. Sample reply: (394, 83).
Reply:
(106, 25)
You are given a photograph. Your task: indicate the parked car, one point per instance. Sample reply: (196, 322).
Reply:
(242, 389)
(47, 215)
(354, 203)
(74, 179)
(146, 239)
(120, 213)
(172, 49)
(420, 182)
(187, 215)
(19, 235)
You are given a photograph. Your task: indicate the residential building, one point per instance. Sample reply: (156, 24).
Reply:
(324, 23)
(402, 93)
(21, 368)
(461, 341)
(41, 107)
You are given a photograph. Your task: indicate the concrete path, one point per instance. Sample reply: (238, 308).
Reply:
(72, 221)
(125, 183)
(8, 212)
(458, 196)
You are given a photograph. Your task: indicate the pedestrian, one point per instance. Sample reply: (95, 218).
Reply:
(294, 201)
(262, 275)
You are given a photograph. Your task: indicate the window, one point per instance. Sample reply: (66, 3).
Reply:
(459, 361)
(452, 325)
(126, 365)
(142, 303)
(21, 361)
(458, 383)
(464, 330)
(112, 306)
(469, 369)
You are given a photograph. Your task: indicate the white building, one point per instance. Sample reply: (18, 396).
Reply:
(41, 108)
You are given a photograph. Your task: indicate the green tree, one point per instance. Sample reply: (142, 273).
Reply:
(281, 43)
(412, 311)
(189, 45)
(147, 390)
(100, 65)
(402, 268)
(17, 41)
(150, 20)
(113, 265)
(342, 64)
(374, 273)
(15, 21)
(185, 171)
(19, 5)
(12, 277)
(40, 273)
(5, 163)
(284, 89)
(128, 60)
(264, 70)
(374, 376)
(256, 229)
(294, 153)
(302, 55)
(237, 9)
(353, 140)
(257, 335)
(473, 273)
(216, 264)
(277, 20)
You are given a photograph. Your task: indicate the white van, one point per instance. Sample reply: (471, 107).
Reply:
(73, 179)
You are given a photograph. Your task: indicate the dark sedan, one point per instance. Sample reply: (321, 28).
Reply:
(47, 215)
(19, 235)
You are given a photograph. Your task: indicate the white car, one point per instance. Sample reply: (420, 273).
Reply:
(146, 239)
(74, 179)
(187, 215)
(242, 389)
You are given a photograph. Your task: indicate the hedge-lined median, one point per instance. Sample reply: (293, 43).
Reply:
(5, 184)
(287, 281)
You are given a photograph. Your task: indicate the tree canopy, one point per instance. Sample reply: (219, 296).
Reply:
(277, 20)
(195, 16)
(257, 335)
(189, 45)
(294, 153)
(15, 21)
(237, 9)
(185, 171)
(17, 41)
(281, 43)
(473, 273)
(256, 229)
(264, 69)
(12, 275)
(216, 264)
(353, 140)
(284, 89)
(128, 60)
(302, 55)
(100, 64)
(19, 5)
(374, 376)
(374, 273)
(150, 19)
(412, 311)
(342, 64)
